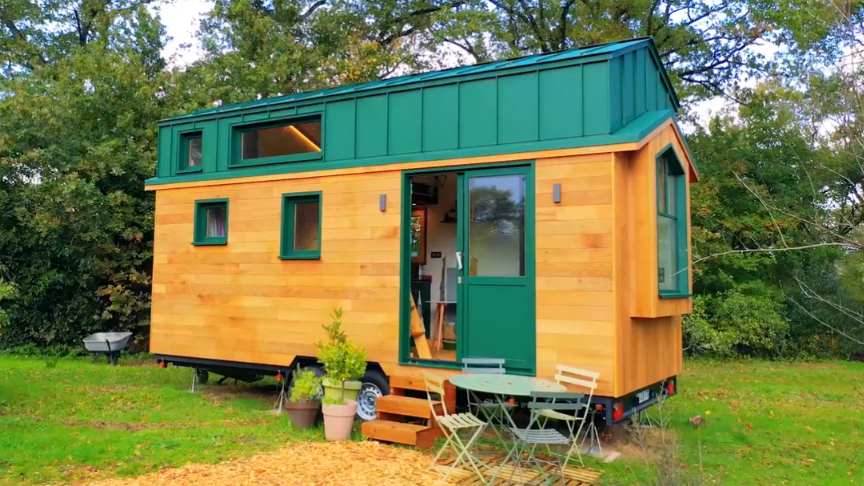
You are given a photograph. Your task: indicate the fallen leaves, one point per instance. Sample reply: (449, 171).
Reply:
(307, 463)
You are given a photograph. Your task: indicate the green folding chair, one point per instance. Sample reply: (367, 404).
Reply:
(539, 433)
(451, 425)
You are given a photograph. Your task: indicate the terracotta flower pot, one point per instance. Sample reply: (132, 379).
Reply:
(339, 420)
(304, 413)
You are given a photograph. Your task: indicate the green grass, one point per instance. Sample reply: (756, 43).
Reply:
(765, 422)
(77, 418)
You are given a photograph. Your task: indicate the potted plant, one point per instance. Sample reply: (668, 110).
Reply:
(303, 403)
(344, 365)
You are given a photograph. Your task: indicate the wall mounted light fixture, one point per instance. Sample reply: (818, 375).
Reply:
(556, 193)
(382, 203)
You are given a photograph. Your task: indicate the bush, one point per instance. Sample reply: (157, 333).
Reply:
(306, 385)
(343, 361)
(743, 321)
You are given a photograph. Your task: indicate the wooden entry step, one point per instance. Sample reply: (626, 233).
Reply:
(414, 385)
(404, 406)
(418, 435)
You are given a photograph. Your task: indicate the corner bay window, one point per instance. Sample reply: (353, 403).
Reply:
(211, 222)
(672, 261)
(280, 141)
(301, 226)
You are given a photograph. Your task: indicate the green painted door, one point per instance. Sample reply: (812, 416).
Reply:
(496, 257)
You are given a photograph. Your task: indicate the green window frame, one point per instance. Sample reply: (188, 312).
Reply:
(672, 258)
(287, 244)
(187, 139)
(239, 130)
(203, 209)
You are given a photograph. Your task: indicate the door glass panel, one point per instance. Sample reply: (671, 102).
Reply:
(496, 243)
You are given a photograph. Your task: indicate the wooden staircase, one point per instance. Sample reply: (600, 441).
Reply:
(404, 416)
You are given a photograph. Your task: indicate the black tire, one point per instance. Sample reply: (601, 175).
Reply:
(203, 376)
(374, 385)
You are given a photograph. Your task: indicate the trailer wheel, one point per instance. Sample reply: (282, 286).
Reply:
(203, 375)
(374, 386)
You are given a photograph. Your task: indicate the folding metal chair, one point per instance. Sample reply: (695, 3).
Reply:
(537, 433)
(451, 424)
(489, 410)
(583, 381)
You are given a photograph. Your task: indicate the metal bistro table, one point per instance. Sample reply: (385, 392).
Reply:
(503, 386)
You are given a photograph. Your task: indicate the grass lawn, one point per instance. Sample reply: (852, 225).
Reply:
(765, 423)
(82, 419)
(769, 423)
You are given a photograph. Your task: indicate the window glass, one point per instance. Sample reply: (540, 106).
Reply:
(306, 225)
(286, 138)
(666, 244)
(496, 226)
(193, 154)
(215, 215)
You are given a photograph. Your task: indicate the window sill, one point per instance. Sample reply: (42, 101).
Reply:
(189, 171)
(316, 256)
(675, 295)
(282, 159)
(210, 243)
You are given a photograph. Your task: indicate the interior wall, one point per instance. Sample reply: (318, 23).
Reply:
(441, 237)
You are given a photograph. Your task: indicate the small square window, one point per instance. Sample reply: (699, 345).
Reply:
(211, 222)
(301, 227)
(191, 152)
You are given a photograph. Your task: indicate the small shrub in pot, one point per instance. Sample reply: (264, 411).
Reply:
(303, 403)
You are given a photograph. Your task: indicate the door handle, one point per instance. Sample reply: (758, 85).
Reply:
(459, 260)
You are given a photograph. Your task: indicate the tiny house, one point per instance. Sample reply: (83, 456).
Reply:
(534, 210)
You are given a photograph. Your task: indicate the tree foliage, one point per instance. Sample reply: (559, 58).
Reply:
(777, 215)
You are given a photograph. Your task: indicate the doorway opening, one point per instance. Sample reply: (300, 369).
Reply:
(468, 252)
(434, 266)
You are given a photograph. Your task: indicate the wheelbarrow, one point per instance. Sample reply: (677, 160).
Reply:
(108, 343)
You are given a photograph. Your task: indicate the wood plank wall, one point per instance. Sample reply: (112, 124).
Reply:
(648, 327)
(575, 322)
(240, 302)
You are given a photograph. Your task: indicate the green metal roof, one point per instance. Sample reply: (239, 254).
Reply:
(600, 51)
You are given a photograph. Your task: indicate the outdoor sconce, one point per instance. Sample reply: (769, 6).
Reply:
(382, 203)
(556, 193)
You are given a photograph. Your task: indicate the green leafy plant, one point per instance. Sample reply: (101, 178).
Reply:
(306, 385)
(343, 360)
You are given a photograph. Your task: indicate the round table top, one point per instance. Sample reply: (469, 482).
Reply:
(512, 385)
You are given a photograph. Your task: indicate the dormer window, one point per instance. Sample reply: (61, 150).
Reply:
(277, 141)
(191, 149)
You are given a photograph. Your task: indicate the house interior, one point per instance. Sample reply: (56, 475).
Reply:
(434, 266)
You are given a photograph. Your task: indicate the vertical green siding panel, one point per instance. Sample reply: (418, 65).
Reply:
(615, 88)
(639, 83)
(210, 149)
(517, 107)
(478, 113)
(628, 86)
(441, 118)
(595, 99)
(662, 97)
(339, 130)
(561, 103)
(651, 85)
(372, 126)
(164, 159)
(404, 122)
(223, 151)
